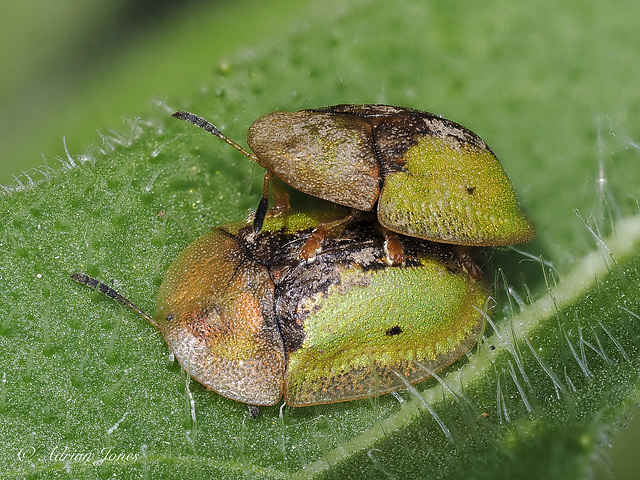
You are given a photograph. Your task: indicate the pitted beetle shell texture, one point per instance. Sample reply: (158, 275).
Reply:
(247, 319)
(431, 178)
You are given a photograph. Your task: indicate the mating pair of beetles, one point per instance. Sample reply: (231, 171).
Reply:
(341, 304)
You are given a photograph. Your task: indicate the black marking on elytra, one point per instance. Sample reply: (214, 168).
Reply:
(395, 330)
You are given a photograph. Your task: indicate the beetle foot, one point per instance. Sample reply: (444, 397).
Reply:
(254, 410)
(313, 245)
(393, 249)
(468, 265)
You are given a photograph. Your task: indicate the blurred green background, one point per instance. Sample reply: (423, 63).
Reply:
(72, 68)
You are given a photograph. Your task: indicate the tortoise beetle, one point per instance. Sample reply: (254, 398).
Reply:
(430, 178)
(249, 320)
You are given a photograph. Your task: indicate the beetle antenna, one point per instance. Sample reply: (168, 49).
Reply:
(111, 293)
(211, 128)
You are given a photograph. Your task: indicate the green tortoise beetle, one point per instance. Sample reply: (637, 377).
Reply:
(430, 178)
(251, 321)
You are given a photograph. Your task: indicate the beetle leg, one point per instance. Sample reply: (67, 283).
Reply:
(470, 267)
(281, 202)
(313, 245)
(263, 206)
(393, 248)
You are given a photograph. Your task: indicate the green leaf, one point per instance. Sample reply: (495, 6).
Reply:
(551, 88)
